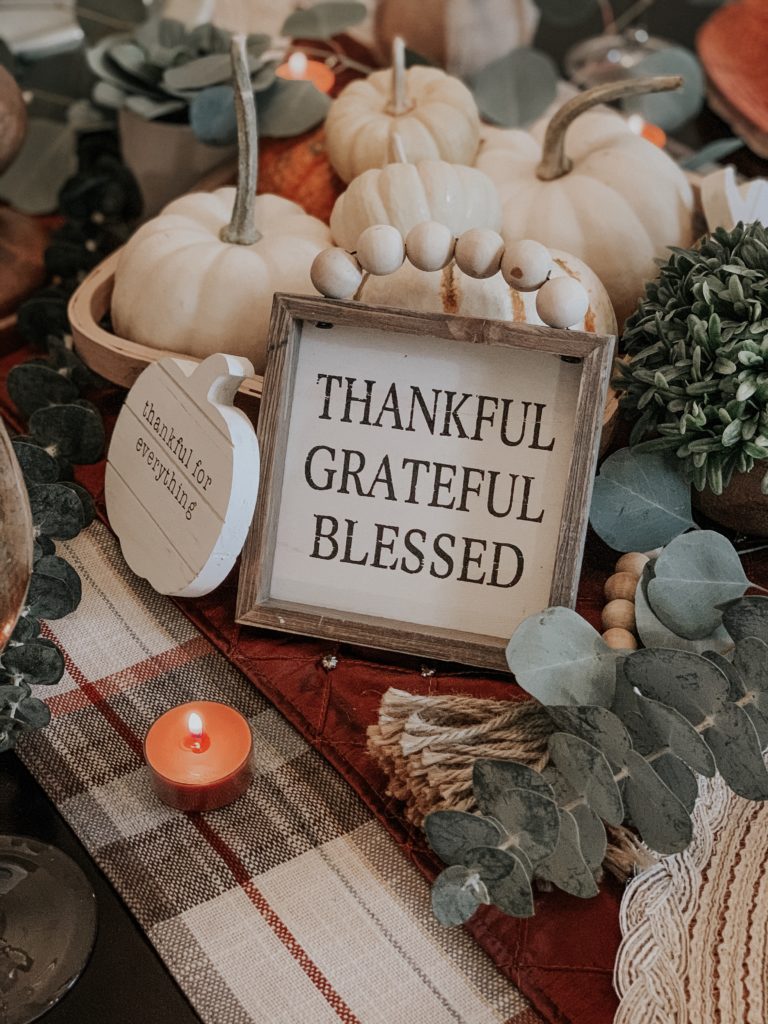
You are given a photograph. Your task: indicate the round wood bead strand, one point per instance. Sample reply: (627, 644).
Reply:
(479, 253)
(618, 617)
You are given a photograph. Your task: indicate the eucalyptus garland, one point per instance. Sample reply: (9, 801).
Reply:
(64, 428)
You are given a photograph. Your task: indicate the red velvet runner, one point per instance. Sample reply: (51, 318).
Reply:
(562, 959)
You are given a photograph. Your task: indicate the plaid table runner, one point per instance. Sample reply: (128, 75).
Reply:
(291, 905)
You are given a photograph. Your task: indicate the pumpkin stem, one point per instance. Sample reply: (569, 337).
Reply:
(554, 161)
(399, 103)
(241, 229)
(397, 149)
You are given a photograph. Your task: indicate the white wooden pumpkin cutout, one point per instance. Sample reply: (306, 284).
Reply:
(183, 473)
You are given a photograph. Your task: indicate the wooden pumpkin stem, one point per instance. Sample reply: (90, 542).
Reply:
(399, 102)
(554, 161)
(242, 230)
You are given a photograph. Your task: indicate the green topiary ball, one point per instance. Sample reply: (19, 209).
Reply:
(697, 377)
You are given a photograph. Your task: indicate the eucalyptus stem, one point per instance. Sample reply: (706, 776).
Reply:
(554, 161)
(241, 229)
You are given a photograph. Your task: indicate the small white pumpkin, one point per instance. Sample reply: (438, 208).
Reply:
(405, 194)
(451, 291)
(615, 200)
(434, 114)
(199, 278)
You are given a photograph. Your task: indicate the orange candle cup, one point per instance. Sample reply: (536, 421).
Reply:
(199, 756)
(298, 68)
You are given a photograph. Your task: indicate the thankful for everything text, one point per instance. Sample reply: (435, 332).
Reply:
(417, 481)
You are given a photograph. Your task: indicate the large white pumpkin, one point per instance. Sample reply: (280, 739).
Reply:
(603, 193)
(435, 116)
(179, 287)
(405, 194)
(451, 291)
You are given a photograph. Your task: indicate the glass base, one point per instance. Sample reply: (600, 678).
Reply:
(610, 58)
(47, 927)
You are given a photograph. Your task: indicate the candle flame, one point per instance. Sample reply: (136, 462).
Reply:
(297, 63)
(195, 724)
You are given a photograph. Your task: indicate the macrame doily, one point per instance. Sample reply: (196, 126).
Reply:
(695, 925)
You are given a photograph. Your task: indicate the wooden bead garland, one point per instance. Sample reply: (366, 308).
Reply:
(479, 253)
(618, 617)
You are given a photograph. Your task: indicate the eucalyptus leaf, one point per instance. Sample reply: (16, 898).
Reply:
(60, 569)
(151, 109)
(506, 879)
(660, 818)
(288, 108)
(691, 577)
(712, 153)
(592, 838)
(748, 678)
(26, 629)
(736, 748)
(589, 773)
(37, 662)
(492, 779)
(514, 90)
(37, 466)
(598, 726)
(529, 817)
(34, 385)
(49, 598)
(212, 116)
(452, 833)
(56, 511)
(666, 727)
(653, 632)
(323, 20)
(457, 892)
(566, 865)
(747, 616)
(685, 681)
(567, 13)
(89, 508)
(213, 69)
(76, 431)
(47, 158)
(32, 713)
(560, 659)
(669, 110)
(640, 501)
(131, 59)
(678, 777)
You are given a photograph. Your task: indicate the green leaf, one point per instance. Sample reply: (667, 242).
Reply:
(598, 726)
(640, 501)
(34, 385)
(457, 892)
(214, 69)
(31, 184)
(60, 569)
(560, 659)
(566, 865)
(452, 833)
(49, 598)
(669, 110)
(677, 776)
(506, 879)
(747, 616)
(37, 466)
(33, 714)
(514, 90)
(287, 108)
(589, 773)
(682, 680)
(567, 13)
(76, 431)
(736, 748)
(712, 153)
(38, 662)
(529, 816)
(657, 814)
(692, 575)
(592, 838)
(89, 508)
(323, 20)
(56, 511)
(653, 632)
(151, 109)
(212, 116)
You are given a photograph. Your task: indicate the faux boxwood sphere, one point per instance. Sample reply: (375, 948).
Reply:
(698, 372)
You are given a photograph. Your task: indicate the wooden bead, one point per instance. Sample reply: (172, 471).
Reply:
(632, 562)
(429, 245)
(335, 273)
(526, 265)
(562, 302)
(622, 585)
(619, 614)
(479, 251)
(380, 249)
(620, 639)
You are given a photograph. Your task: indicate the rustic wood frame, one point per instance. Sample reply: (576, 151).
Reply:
(256, 607)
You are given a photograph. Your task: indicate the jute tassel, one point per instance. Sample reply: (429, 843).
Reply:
(426, 746)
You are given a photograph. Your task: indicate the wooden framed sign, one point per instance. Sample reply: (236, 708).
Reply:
(425, 478)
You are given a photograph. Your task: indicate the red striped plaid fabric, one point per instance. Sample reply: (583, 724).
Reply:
(291, 905)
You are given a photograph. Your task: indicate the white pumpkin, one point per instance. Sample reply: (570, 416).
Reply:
(451, 291)
(199, 278)
(434, 114)
(179, 287)
(615, 200)
(406, 194)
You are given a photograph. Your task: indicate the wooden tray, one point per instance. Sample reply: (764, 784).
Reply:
(118, 360)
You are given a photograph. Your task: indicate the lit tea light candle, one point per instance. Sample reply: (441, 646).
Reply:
(199, 756)
(298, 68)
(651, 132)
